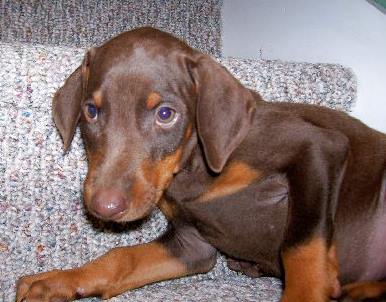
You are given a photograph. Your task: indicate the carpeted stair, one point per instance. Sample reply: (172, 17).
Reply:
(43, 224)
(84, 23)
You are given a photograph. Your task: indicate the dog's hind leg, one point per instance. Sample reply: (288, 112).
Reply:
(373, 290)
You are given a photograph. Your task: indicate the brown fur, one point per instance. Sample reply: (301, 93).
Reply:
(236, 177)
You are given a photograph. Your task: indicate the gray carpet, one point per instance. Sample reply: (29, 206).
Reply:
(90, 22)
(330, 85)
(42, 220)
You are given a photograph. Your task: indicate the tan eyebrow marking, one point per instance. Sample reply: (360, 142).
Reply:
(97, 97)
(153, 100)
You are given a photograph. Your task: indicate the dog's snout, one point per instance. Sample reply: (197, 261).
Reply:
(108, 203)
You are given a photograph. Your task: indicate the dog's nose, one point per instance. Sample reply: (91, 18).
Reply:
(108, 203)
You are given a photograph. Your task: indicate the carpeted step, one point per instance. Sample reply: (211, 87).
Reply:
(84, 23)
(42, 220)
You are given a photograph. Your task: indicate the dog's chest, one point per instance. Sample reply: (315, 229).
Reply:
(248, 224)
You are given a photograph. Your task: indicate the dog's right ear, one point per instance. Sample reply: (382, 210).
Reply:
(66, 105)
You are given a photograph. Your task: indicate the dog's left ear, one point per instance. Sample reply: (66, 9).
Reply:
(224, 111)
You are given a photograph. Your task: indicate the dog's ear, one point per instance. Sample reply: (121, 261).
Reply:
(66, 105)
(224, 113)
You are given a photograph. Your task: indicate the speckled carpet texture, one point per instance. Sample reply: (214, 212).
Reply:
(90, 22)
(43, 224)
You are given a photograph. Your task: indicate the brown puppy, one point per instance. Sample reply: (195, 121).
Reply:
(297, 191)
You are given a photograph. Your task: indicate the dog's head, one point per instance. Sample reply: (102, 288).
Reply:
(143, 100)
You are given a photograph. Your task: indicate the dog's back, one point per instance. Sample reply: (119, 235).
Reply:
(360, 220)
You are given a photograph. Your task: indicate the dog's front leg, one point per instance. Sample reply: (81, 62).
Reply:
(179, 252)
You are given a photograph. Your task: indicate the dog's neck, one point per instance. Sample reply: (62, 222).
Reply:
(189, 183)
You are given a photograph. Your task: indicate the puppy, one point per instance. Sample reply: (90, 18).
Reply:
(296, 190)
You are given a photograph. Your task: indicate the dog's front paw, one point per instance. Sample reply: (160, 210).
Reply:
(53, 286)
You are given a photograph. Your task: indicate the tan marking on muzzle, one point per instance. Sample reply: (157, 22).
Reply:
(138, 192)
(159, 174)
(167, 208)
(149, 184)
(151, 181)
(235, 177)
(142, 200)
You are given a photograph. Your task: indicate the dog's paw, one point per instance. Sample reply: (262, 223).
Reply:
(53, 286)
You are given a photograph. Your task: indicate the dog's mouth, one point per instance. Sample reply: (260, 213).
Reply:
(133, 213)
(128, 216)
(129, 198)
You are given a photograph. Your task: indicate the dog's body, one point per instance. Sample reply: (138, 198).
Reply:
(249, 223)
(289, 190)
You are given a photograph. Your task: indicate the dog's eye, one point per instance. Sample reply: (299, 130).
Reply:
(166, 116)
(91, 111)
